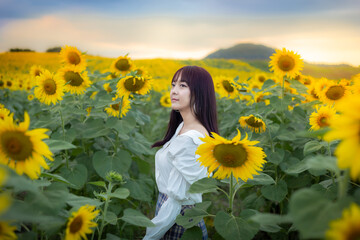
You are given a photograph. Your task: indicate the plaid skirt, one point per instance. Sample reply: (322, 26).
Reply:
(176, 231)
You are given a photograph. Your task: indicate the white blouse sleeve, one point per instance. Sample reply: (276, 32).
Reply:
(185, 172)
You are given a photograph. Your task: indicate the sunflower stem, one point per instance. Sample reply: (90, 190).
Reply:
(108, 192)
(231, 193)
(343, 184)
(63, 129)
(271, 141)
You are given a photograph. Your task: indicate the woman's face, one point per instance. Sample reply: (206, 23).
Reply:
(180, 95)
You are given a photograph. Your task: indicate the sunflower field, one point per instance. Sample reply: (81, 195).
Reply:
(76, 160)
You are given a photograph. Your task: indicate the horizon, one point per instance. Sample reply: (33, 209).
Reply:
(321, 32)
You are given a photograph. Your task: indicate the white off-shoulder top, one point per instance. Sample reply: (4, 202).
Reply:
(176, 169)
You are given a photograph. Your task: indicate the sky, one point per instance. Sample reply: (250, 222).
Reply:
(321, 31)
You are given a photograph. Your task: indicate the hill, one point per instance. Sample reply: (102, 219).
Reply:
(258, 56)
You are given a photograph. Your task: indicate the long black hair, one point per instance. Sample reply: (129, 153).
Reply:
(202, 96)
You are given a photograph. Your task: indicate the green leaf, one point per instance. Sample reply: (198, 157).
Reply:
(204, 185)
(268, 83)
(103, 163)
(57, 178)
(270, 222)
(140, 189)
(121, 193)
(57, 145)
(275, 192)
(313, 134)
(98, 183)
(261, 179)
(286, 136)
(297, 168)
(321, 162)
(76, 175)
(78, 201)
(312, 211)
(230, 227)
(136, 218)
(193, 216)
(276, 157)
(111, 218)
(312, 146)
(192, 233)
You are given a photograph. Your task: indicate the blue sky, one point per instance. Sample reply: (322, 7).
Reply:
(325, 31)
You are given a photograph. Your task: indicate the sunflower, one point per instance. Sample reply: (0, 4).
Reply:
(237, 156)
(355, 88)
(49, 88)
(347, 129)
(73, 57)
(107, 87)
(311, 92)
(4, 113)
(80, 223)
(260, 77)
(119, 109)
(122, 64)
(226, 87)
(2, 84)
(21, 149)
(133, 84)
(7, 231)
(5, 201)
(92, 96)
(140, 71)
(347, 227)
(165, 100)
(321, 117)
(30, 97)
(76, 82)
(334, 92)
(36, 71)
(253, 123)
(88, 110)
(286, 62)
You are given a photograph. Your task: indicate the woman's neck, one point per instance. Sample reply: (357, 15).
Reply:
(188, 118)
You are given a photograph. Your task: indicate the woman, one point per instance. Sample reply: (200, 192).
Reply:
(193, 115)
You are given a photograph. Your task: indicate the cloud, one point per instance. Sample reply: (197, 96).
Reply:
(316, 39)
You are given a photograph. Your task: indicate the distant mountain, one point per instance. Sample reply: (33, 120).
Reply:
(259, 56)
(244, 51)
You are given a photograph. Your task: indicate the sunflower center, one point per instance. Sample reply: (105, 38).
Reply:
(50, 86)
(139, 72)
(8, 83)
(354, 234)
(116, 106)
(226, 84)
(74, 58)
(314, 94)
(335, 92)
(230, 155)
(261, 79)
(1, 83)
(17, 145)
(73, 78)
(286, 63)
(134, 84)
(323, 122)
(122, 65)
(251, 121)
(37, 73)
(76, 224)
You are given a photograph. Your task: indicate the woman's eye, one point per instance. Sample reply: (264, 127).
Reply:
(183, 85)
